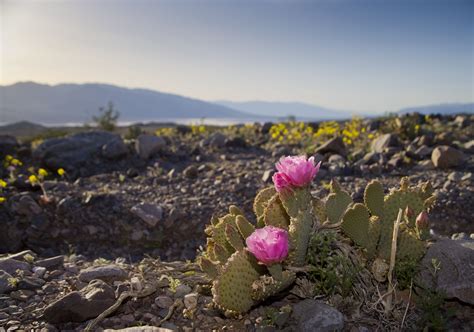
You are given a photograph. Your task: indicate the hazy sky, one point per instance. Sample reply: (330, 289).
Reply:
(358, 55)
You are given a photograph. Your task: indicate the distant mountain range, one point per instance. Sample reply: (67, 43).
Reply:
(286, 109)
(77, 103)
(454, 108)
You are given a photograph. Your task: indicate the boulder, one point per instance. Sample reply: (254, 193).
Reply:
(383, 142)
(446, 157)
(81, 305)
(115, 149)
(7, 144)
(334, 146)
(316, 316)
(74, 151)
(105, 272)
(455, 278)
(149, 145)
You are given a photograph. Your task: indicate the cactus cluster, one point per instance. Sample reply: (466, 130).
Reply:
(370, 225)
(239, 281)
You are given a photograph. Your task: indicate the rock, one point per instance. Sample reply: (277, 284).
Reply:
(12, 265)
(265, 129)
(143, 328)
(163, 301)
(191, 172)
(446, 157)
(236, 142)
(425, 165)
(39, 271)
(191, 300)
(333, 146)
(423, 151)
(115, 149)
(8, 144)
(456, 275)
(21, 295)
(469, 146)
(316, 316)
(383, 142)
(267, 175)
(149, 145)
(182, 290)
(5, 282)
(73, 152)
(23, 204)
(105, 272)
(217, 140)
(149, 213)
(30, 283)
(455, 176)
(52, 262)
(81, 305)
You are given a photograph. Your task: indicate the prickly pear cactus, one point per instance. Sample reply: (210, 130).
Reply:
(239, 282)
(370, 225)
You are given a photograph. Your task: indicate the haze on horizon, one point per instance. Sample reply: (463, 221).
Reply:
(365, 55)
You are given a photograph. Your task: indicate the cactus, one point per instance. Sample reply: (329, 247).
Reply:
(239, 282)
(337, 202)
(370, 225)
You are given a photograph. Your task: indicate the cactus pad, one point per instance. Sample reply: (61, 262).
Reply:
(337, 203)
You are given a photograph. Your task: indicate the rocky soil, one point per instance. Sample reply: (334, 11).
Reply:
(129, 218)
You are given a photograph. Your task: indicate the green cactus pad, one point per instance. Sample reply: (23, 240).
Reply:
(275, 214)
(319, 210)
(409, 246)
(337, 202)
(374, 198)
(232, 290)
(267, 286)
(233, 237)
(261, 200)
(236, 211)
(221, 253)
(357, 225)
(299, 206)
(208, 267)
(244, 226)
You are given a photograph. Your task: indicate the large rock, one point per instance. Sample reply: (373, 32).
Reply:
(456, 275)
(383, 142)
(115, 149)
(73, 151)
(105, 272)
(446, 157)
(79, 306)
(149, 145)
(10, 265)
(334, 145)
(5, 284)
(316, 316)
(8, 144)
(216, 140)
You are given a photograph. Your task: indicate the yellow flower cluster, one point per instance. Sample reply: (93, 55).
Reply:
(291, 132)
(198, 129)
(3, 184)
(10, 161)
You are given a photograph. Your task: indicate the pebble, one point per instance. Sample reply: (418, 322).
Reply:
(182, 290)
(164, 302)
(191, 300)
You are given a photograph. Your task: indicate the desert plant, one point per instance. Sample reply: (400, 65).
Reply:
(107, 118)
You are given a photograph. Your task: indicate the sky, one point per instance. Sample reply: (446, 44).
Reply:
(359, 55)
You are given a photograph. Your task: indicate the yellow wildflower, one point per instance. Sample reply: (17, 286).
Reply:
(8, 157)
(33, 179)
(3, 184)
(2, 199)
(61, 172)
(370, 136)
(42, 172)
(16, 162)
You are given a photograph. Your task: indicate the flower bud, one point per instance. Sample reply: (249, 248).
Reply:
(422, 221)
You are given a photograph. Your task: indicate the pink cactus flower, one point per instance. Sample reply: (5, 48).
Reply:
(268, 244)
(296, 171)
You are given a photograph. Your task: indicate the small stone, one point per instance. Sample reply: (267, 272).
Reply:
(21, 295)
(127, 319)
(163, 301)
(267, 175)
(334, 145)
(455, 176)
(182, 290)
(316, 316)
(149, 145)
(52, 262)
(149, 213)
(384, 141)
(30, 283)
(39, 271)
(191, 300)
(114, 149)
(105, 272)
(191, 172)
